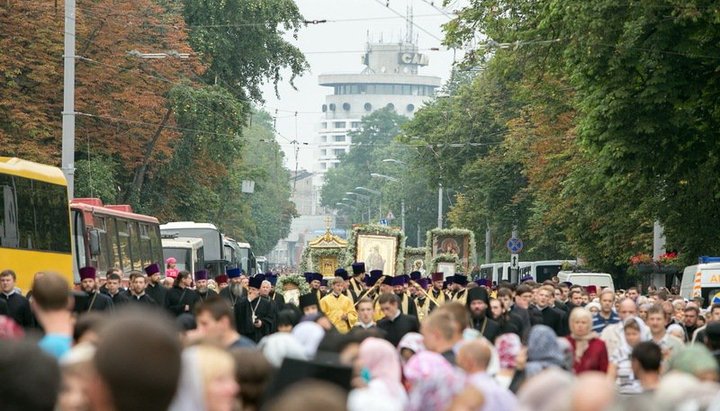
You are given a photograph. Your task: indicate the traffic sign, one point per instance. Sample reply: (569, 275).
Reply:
(514, 261)
(383, 222)
(514, 245)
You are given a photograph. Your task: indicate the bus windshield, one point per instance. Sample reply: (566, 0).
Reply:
(183, 257)
(34, 215)
(212, 241)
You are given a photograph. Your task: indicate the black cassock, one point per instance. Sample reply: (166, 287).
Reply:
(207, 294)
(398, 327)
(143, 299)
(261, 308)
(96, 301)
(178, 298)
(158, 293)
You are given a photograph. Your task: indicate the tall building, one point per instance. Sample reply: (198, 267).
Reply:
(390, 79)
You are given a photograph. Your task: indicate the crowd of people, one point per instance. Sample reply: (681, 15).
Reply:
(360, 341)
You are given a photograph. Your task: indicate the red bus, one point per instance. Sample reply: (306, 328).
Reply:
(108, 236)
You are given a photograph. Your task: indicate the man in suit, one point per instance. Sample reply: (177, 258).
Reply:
(395, 323)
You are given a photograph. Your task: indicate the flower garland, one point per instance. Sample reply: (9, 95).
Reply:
(430, 261)
(448, 258)
(311, 257)
(375, 229)
(296, 279)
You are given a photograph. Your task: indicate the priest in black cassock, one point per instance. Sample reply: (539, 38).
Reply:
(155, 290)
(395, 324)
(254, 314)
(478, 304)
(136, 293)
(94, 300)
(201, 286)
(407, 304)
(274, 295)
(234, 292)
(355, 284)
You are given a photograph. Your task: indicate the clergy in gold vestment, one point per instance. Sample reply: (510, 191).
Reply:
(339, 308)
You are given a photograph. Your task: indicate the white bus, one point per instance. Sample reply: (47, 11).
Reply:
(188, 253)
(214, 252)
(540, 271)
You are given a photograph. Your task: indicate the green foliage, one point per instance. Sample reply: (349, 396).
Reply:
(96, 178)
(378, 140)
(242, 42)
(606, 114)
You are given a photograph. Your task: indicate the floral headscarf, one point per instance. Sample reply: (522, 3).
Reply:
(508, 347)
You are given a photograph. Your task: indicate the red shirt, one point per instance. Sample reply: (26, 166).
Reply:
(595, 357)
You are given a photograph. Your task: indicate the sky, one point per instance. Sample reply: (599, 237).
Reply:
(336, 47)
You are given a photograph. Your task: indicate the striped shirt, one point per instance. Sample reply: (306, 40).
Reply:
(600, 322)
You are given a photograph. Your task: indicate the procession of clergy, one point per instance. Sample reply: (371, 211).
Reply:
(345, 300)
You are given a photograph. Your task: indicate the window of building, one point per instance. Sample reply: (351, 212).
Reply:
(323, 152)
(323, 139)
(355, 124)
(323, 124)
(339, 138)
(338, 151)
(339, 124)
(323, 165)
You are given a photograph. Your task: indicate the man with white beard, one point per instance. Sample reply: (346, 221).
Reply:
(235, 291)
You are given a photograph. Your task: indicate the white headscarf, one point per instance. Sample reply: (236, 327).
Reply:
(190, 395)
(276, 347)
(309, 334)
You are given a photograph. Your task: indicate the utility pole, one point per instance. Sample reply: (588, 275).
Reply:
(440, 205)
(488, 244)
(68, 113)
(402, 214)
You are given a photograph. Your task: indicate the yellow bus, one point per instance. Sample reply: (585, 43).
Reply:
(34, 220)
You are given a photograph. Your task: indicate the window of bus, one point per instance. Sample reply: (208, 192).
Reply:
(112, 242)
(156, 252)
(135, 253)
(145, 244)
(34, 215)
(105, 259)
(124, 243)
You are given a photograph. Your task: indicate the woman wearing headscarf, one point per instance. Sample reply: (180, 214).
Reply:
(543, 351)
(431, 381)
(620, 367)
(589, 350)
(309, 334)
(378, 363)
(276, 347)
(409, 345)
(508, 348)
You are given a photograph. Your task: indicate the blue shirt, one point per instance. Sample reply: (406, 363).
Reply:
(56, 345)
(600, 322)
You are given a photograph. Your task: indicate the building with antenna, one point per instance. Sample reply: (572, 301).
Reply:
(390, 79)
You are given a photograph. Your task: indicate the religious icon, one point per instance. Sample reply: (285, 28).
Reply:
(378, 252)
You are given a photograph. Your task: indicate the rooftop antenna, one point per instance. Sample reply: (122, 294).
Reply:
(409, 25)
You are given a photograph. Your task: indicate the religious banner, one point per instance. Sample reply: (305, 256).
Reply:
(453, 245)
(379, 247)
(324, 254)
(415, 260)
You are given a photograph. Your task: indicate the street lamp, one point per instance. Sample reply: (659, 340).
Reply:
(171, 53)
(440, 191)
(378, 175)
(352, 193)
(402, 201)
(377, 193)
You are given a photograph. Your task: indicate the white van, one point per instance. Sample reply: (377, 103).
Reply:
(701, 280)
(600, 280)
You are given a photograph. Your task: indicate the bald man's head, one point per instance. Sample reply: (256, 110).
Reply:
(474, 356)
(592, 391)
(627, 309)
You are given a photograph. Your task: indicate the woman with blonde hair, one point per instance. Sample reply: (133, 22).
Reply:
(590, 353)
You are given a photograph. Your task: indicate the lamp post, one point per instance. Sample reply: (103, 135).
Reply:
(365, 198)
(377, 193)
(402, 201)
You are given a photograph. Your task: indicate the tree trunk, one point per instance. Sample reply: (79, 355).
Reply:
(139, 177)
